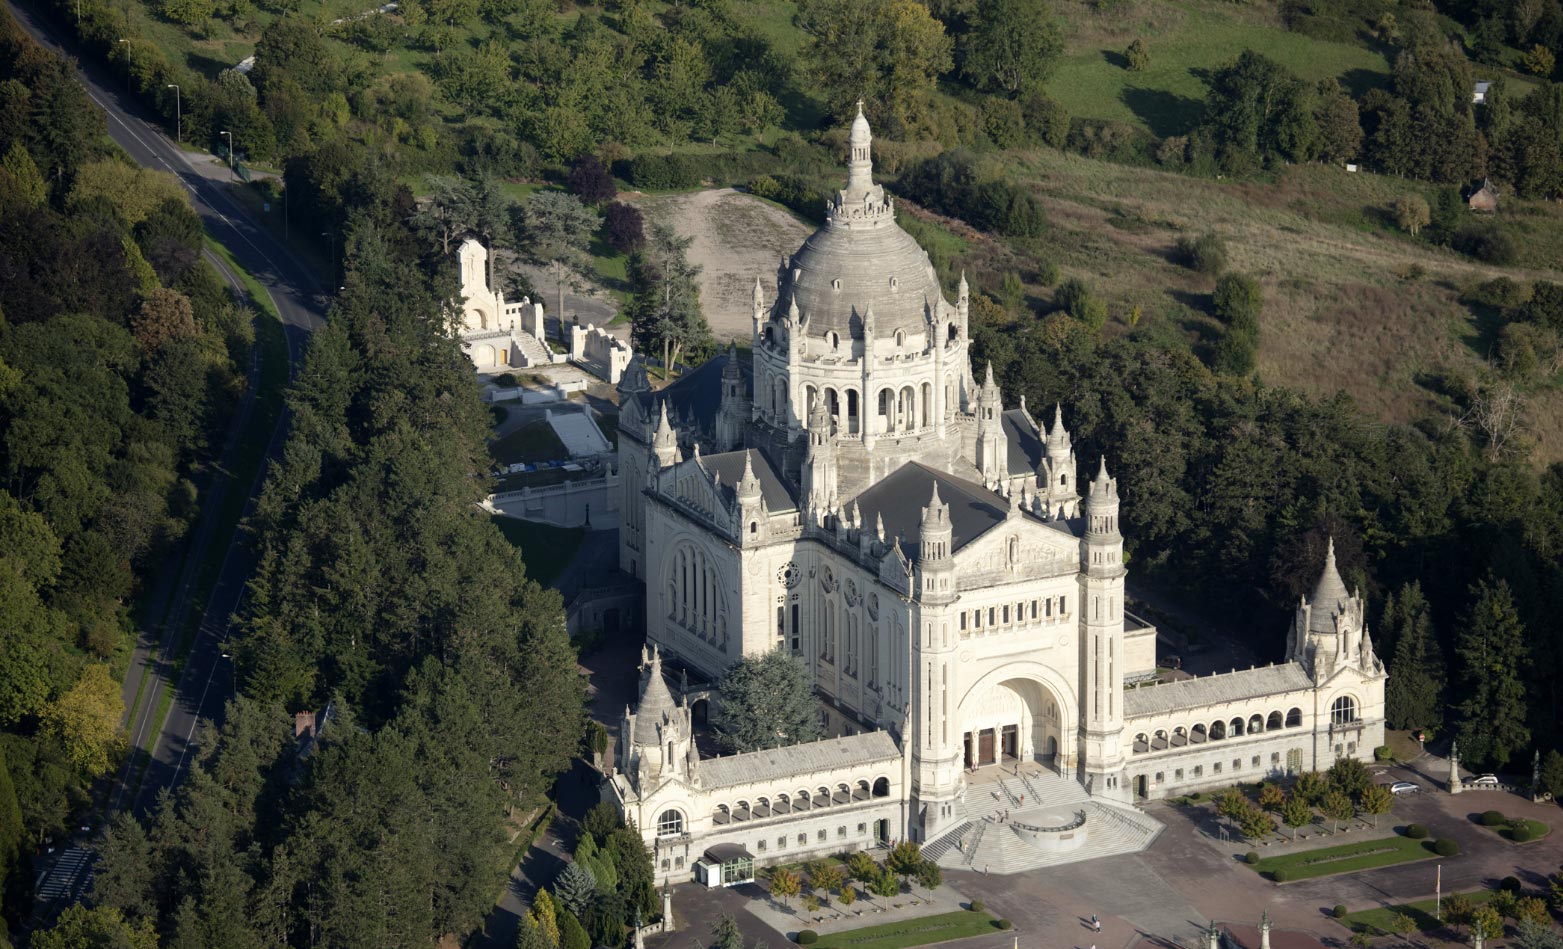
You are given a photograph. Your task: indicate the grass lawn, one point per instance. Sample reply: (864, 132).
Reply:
(913, 932)
(529, 443)
(1421, 912)
(1187, 39)
(546, 549)
(1538, 830)
(1363, 855)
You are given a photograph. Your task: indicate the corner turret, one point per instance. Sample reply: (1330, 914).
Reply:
(992, 445)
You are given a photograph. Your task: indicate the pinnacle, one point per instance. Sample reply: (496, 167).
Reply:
(987, 382)
(1101, 471)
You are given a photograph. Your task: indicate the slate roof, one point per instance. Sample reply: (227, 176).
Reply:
(656, 702)
(1329, 596)
(900, 497)
(1215, 689)
(698, 393)
(789, 763)
(773, 487)
(1026, 445)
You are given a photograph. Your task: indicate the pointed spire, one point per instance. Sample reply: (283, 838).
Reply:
(759, 294)
(879, 527)
(1101, 471)
(963, 289)
(1329, 596)
(1058, 420)
(987, 382)
(662, 417)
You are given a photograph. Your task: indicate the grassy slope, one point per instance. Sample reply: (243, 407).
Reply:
(1185, 40)
(547, 550)
(1340, 313)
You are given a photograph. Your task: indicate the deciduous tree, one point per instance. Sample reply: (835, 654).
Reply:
(1011, 47)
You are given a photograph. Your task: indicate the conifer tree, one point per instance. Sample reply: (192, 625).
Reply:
(1492, 653)
(768, 702)
(1413, 696)
(544, 918)
(576, 887)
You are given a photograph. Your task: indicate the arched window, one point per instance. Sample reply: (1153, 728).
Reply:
(1218, 731)
(1141, 743)
(1256, 724)
(882, 787)
(1197, 736)
(900, 338)
(1180, 736)
(1273, 722)
(1159, 740)
(822, 797)
(1294, 718)
(670, 824)
(1235, 728)
(1343, 711)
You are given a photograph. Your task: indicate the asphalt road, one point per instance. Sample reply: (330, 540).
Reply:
(205, 683)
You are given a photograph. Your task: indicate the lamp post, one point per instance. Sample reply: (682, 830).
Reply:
(179, 114)
(231, 173)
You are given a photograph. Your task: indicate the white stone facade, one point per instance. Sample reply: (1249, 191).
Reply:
(857, 498)
(496, 336)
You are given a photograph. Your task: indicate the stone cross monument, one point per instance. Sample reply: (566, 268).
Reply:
(1213, 936)
(1264, 930)
(1454, 768)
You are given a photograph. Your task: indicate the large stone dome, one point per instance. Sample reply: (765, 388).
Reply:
(844, 269)
(861, 260)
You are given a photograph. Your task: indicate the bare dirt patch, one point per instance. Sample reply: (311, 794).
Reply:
(737, 237)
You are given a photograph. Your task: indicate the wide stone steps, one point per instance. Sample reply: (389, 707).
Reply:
(944, 844)
(534, 352)
(1034, 796)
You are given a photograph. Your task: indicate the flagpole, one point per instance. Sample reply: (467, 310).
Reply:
(1438, 895)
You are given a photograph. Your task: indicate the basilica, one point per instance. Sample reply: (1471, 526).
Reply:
(858, 496)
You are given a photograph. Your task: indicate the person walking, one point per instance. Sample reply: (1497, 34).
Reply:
(1096, 924)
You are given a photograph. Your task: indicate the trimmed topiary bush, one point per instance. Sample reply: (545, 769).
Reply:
(807, 937)
(1382, 753)
(1521, 835)
(1005, 924)
(1281, 875)
(976, 906)
(1493, 819)
(1445, 847)
(1339, 911)
(1511, 884)
(1416, 831)
(1251, 858)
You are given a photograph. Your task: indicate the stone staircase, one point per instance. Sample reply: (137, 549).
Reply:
(1036, 796)
(534, 352)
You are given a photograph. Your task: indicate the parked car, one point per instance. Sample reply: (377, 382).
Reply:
(1403, 787)
(1485, 781)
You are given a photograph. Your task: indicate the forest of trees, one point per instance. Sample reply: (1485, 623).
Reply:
(121, 360)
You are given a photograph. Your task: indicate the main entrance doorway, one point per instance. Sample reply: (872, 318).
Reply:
(1010, 721)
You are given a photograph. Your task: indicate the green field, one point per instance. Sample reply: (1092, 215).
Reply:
(1186, 39)
(546, 549)
(1373, 921)
(1363, 855)
(913, 932)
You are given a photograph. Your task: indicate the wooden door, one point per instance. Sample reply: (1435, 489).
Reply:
(985, 746)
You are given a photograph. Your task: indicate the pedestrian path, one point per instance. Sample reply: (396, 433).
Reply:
(988, 839)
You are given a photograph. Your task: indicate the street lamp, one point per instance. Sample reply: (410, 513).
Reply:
(179, 113)
(231, 172)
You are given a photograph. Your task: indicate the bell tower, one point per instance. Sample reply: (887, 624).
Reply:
(1101, 640)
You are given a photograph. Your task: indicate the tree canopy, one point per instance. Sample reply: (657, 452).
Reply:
(767, 702)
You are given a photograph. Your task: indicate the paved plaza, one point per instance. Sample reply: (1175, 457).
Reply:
(1168, 894)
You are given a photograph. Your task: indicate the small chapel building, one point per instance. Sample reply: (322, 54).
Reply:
(857, 496)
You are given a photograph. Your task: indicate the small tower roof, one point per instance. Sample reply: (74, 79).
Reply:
(1329, 596)
(656, 703)
(1101, 472)
(860, 134)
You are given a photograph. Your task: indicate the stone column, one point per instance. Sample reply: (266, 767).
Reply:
(1454, 768)
(667, 910)
(1264, 930)
(1213, 936)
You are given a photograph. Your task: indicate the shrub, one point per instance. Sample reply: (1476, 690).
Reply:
(1511, 884)
(1004, 924)
(1445, 847)
(1046, 120)
(1251, 858)
(1206, 253)
(1493, 819)
(1235, 353)
(807, 937)
(1340, 911)
(1416, 831)
(1047, 273)
(626, 227)
(976, 906)
(1238, 301)
(664, 172)
(1382, 753)
(1003, 122)
(591, 182)
(1138, 56)
(1281, 875)
(1487, 243)
(1521, 834)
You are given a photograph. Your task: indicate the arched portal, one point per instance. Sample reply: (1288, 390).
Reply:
(1010, 720)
